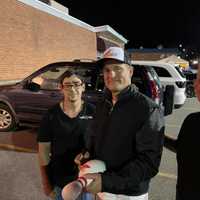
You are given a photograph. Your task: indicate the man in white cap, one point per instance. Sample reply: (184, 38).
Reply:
(127, 134)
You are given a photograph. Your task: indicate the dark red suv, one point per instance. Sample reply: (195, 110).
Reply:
(26, 102)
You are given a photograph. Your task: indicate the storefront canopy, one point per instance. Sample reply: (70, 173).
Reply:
(173, 59)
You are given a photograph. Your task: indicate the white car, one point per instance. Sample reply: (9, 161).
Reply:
(169, 74)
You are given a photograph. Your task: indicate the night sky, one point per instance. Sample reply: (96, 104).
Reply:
(144, 23)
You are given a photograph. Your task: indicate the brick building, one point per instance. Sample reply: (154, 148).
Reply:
(35, 33)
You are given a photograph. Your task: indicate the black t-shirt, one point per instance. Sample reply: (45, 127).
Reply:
(67, 136)
(188, 150)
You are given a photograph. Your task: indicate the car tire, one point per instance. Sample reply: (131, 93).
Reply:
(7, 119)
(168, 100)
(190, 91)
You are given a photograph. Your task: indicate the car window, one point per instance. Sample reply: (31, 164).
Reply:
(180, 72)
(90, 77)
(140, 79)
(155, 76)
(162, 72)
(49, 80)
(100, 83)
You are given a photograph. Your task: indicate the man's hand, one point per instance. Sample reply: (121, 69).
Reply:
(52, 195)
(47, 188)
(96, 185)
(82, 158)
(44, 149)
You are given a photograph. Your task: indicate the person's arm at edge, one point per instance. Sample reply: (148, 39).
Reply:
(170, 143)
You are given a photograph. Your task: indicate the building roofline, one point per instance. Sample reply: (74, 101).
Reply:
(107, 28)
(56, 12)
(65, 16)
(154, 50)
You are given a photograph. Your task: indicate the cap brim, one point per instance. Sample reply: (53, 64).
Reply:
(100, 63)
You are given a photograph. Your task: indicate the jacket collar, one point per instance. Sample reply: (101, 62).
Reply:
(125, 93)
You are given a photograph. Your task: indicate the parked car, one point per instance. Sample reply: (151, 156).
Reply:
(25, 102)
(169, 75)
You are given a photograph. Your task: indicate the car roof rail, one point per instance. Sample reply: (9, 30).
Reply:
(84, 60)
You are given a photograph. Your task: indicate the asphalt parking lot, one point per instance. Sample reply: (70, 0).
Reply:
(163, 186)
(19, 172)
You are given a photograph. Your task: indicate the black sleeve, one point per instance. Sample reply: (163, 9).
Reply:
(44, 134)
(170, 143)
(149, 145)
(186, 127)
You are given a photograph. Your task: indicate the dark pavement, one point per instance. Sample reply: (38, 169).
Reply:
(20, 140)
(19, 170)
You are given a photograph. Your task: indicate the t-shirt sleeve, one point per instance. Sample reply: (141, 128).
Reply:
(44, 133)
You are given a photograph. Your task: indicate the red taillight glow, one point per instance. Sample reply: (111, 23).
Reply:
(154, 89)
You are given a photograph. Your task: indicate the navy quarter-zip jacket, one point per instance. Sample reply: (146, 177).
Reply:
(128, 137)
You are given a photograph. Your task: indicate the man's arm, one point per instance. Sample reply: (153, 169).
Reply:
(44, 149)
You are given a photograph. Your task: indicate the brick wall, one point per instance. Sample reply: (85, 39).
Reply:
(30, 39)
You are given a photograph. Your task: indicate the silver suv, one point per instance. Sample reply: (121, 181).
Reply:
(169, 75)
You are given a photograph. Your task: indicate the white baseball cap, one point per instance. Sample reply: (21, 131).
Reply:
(115, 53)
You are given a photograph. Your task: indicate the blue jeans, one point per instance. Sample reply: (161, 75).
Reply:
(58, 191)
(84, 196)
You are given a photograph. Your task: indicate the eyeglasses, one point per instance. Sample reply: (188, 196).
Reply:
(68, 86)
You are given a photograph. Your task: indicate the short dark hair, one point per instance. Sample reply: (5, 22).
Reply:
(68, 74)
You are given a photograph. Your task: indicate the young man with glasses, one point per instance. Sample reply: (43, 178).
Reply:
(62, 135)
(127, 134)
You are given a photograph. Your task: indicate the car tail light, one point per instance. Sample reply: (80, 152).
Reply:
(155, 91)
(181, 84)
